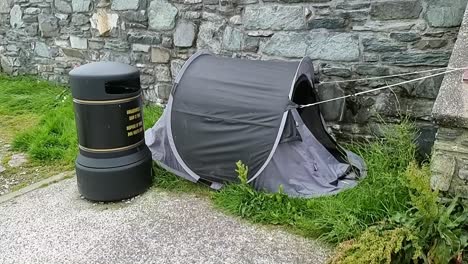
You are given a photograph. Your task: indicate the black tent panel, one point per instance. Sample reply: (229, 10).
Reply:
(213, 121)
(222, 110)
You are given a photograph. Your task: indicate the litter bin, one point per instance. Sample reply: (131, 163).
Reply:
(114, 162)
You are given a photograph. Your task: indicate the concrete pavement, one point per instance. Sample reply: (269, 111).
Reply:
(54, 225)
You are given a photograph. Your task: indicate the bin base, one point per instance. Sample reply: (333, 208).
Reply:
(114, 183)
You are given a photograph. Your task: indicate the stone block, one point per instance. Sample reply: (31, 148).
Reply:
(332, 111)
(163, 91)
(121, 5)
(146, 79)
(32, 11)
(48, 25)
(417, 59)
(162, 15)
(78, 43)
(251, 44)
(382, 44)
(209, 36)
(32, 30)
(235, 20)
(352, 5)
(338, 71)
(162, 73)
(191, 15)
(116, 45)
(62, 43)
(370, 57)
(41, 50)
(95, 44)
(428, 88)
(104, 22)
(61, 16)
(74, 53)
(324, 46)
(402, 9)
(143, 37)
(431, 44)
(141, 47)
(63, 6)
(288, 44)
(334, 47)
(184, 34)
(166, 42)
(372, 70)
(443, 167)
(463, 174)
(417, 108)
(274, 17)
(138, 58)
(150, 95)
(135, 16)
(81, 5)
(8, 64)
(260, 33)
(176, 65)
(27, 19)
(445, 13)
(327, 23)
(16, 17)
(405, 36)
(160, 55)
(79, 19)
(233, 39)
(5, 6)
(384, 26)
(448, 134)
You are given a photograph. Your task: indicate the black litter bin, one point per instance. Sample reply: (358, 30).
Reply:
(114, 162)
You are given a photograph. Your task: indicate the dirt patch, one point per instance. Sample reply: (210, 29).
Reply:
(17, 171)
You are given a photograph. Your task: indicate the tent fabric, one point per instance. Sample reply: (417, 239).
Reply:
(222, 110)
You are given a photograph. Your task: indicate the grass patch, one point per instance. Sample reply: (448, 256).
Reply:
(151, 114)
(27, 95)
(53, 139)
(345, 215)
(38, 117)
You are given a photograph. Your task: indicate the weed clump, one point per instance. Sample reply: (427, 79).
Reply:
(433, 230)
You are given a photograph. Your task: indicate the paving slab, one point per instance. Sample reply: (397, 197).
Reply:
(55, 225)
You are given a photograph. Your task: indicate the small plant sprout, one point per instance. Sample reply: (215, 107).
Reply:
(242, 172)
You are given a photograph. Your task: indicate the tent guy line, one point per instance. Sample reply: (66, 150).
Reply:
(384, 87)
(387, 76)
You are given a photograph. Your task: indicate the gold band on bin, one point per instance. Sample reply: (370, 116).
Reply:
(104, 102)
(112, 149)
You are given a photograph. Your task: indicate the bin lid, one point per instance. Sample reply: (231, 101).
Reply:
(105, 81)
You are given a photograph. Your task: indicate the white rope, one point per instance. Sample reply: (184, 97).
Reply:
(387, 76)
(384, 87)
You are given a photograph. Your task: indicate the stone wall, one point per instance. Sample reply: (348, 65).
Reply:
(346, 38)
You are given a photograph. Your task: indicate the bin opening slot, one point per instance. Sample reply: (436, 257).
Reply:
(123, 86)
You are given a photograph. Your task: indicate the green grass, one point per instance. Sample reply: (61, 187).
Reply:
(24, 95)
(39, 117)
(340, 217)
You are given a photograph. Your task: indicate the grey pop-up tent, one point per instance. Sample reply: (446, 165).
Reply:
(222, 110)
